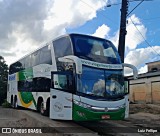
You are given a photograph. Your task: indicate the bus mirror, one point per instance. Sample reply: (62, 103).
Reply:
(126, 86)
(75, 60)
(135, 71)
(55, 83)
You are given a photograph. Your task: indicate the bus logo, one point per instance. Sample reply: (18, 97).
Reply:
(12, 77)
(57, 107)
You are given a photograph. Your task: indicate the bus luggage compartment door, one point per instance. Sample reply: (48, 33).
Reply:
(61, 105)
(61, 96)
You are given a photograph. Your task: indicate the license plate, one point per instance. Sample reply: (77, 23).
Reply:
(105, 116)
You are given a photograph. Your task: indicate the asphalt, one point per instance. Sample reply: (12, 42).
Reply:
(30, 119)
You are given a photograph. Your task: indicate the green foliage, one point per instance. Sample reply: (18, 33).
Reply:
(3, 79)
(6, 104)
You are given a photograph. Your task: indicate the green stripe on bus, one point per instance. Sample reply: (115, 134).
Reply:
(27, 97)
(26, 74)
(83, 114)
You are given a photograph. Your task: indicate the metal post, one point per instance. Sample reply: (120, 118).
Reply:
(122, 34)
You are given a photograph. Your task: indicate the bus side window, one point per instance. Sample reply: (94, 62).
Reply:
(45, 55)
(25, 85)
(62, 47)
(28, 62)
(41, 84)
(63, 82)
(35, 58)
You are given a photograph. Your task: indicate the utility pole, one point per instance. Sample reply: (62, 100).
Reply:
(123, 32)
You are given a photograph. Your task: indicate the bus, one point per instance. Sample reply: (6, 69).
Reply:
(73, 77)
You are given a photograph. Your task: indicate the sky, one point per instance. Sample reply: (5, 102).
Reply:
(26, 25)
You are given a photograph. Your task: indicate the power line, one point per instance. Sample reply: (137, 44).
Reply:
(134, 8)
(151, 18)
(131, 21)
(100, 14)
(109, 5)
(144, 38)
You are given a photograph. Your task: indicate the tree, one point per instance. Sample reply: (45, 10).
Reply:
(3, 79)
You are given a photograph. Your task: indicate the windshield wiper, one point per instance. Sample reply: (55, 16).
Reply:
(92, 94)
(85, 57)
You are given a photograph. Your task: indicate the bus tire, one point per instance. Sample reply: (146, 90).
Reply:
(12, 104)
(48, 107)
(40, 107)
(15, 103)
(42, 110)
(39, 104)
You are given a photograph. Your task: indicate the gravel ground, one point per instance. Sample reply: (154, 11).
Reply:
(27, 119)
(146, 108)
(141, 116)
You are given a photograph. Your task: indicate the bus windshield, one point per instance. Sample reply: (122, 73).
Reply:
(99, 83)
(95, 49)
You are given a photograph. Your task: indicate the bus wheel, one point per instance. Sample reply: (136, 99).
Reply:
(15, 104)
(12, 101)
(42, 110)
(48, 107)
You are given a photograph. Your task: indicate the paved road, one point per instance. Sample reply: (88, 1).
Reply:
(129, 127)
(28, 118)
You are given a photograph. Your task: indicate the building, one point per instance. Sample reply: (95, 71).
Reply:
(146, 89)
(153, 66)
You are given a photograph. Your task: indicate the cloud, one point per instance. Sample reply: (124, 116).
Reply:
(102, 31)
(76, 12)
(134, 54)
(27, 23)
(143, 69)
(139, 57)
(133, 37)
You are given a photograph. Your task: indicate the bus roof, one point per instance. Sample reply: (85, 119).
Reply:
(43, 44)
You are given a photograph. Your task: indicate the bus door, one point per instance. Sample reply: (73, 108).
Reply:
(126, 84)
(61, 95)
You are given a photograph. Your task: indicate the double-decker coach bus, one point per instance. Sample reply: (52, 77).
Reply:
(74, 77)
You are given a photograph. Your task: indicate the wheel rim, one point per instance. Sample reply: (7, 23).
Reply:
(42, 108)
(16, 105)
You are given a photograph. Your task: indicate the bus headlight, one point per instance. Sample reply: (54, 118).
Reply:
(84, 105)
(122, 106)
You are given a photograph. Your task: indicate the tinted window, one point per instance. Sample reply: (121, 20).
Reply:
(28, 61)
(26, 85)
(62, 47)
(95, 49)
(16, 67)
(91, 84)
(41, 84)
(35, 85)
(23, 63)
(35, 58)
(63, 82)
(104, 84)
(45, 55)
